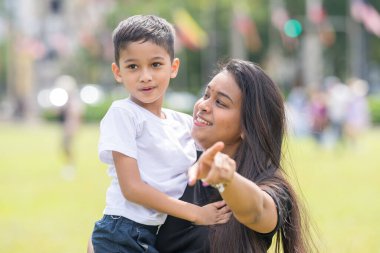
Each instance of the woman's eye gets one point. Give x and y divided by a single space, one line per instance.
205 96
220 103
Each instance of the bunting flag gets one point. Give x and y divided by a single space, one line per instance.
316 13
367 15
189 32
327 34
279 17
319 17
247 28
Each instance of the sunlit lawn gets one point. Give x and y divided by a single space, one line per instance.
40 211
342 189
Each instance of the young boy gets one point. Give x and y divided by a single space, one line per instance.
148 148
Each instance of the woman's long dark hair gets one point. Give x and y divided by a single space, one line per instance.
259 159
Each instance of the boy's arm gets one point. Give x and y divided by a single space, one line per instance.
135 190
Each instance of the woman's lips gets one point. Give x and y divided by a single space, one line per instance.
198 121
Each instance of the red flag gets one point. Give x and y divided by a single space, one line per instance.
247 28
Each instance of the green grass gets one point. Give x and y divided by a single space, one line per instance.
40 211
341 187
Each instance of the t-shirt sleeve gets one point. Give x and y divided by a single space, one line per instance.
118 131
283 203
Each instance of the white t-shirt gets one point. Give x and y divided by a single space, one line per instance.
163 148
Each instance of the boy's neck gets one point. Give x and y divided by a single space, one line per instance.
155 107
159 113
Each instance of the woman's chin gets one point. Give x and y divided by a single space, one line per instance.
202 138
203 144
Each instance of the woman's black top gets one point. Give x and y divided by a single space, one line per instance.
178 235
181 236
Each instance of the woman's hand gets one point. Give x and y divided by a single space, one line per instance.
214 213
213 167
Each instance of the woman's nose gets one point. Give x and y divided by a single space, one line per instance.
204 105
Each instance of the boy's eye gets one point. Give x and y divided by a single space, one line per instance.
132 66
205 96
156 64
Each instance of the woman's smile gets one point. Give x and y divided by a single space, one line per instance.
198 121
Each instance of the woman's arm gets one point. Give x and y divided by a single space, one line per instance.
251 206
135 190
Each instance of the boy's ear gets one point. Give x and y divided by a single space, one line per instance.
116 72
175 67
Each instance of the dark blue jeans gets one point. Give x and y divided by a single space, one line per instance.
116 234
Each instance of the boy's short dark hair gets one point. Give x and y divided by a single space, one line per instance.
143 28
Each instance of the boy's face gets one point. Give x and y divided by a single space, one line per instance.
145 70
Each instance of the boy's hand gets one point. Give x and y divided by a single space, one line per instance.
214 213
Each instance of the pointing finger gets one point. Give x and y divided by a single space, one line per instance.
209 154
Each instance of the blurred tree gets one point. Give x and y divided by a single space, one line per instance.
242 28
3 52
3 69
232 28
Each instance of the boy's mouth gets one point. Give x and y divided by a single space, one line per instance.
147 88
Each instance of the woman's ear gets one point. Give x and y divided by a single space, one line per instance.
242 135
116 72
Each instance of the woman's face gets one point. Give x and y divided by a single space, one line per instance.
217 114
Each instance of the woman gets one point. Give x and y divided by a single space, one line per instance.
240 122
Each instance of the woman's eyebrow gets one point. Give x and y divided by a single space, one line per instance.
220 93
225 95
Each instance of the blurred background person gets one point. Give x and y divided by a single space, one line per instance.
318 114
70 114
338 99
297 111
358 116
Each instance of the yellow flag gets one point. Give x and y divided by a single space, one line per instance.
189 31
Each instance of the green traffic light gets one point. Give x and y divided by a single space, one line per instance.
292 28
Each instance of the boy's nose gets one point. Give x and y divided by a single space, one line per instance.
145 76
